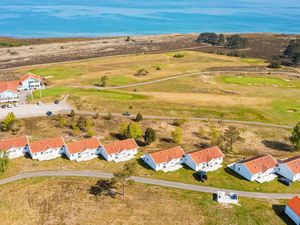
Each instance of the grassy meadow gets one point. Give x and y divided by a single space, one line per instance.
49 200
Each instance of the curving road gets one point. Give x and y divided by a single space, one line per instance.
163 183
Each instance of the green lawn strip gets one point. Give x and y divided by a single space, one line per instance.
60 72
258 81
252 60
59 91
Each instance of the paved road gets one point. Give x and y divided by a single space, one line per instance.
184 75
163 183
193 118
33 110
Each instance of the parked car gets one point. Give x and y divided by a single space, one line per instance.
9 106
126 113
39 103
202 175
49 113
56 102
3 106
285 181
16 105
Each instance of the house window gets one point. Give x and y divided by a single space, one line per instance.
239 169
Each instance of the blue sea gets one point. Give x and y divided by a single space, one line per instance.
88 18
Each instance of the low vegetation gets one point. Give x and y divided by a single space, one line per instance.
232 42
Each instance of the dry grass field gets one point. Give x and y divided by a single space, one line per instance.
65 201
256 97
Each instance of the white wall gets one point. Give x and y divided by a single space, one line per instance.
292 215
148 160
17 152
87 154
50 153
9 96
30 84
119 155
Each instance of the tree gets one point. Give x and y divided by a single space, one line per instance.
13 126
82 123
215 137
139 117
4 161
178 122
177 135
236 42
141 72
121 176
5 123
123 129
150 136
210 38
72 114
221 39
275 65
103 81
133 130
231 136
295 138
109 116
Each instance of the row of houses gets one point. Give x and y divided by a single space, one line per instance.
9 90
261 168
82 150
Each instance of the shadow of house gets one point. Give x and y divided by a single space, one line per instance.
102 188
167 140
277 145
117 136
202 145
279 211
234 174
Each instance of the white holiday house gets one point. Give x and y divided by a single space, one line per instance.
30 81
47 149
9 92
83 150
166 160
290 168
292 209
208 159
14 147
119 151
259 168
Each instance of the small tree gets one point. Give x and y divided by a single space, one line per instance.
123 129
150 136
121 176
10 118
178 122
109 116
215 137
295 138
90 132
231 136
13 126
4 161
177 135
133 130
96 116
141 72
103 81
82 123
139 117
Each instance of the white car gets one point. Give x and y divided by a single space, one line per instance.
9 106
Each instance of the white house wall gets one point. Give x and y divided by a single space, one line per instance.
9 96
16 152
50 153
114 156
30 84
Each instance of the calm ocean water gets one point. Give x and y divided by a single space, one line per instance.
64 18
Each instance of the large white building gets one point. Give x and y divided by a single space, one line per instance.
14 147
259 168
47 149
30 81
120 151
9 92
166 160
290 168
292 210
83 150
208 159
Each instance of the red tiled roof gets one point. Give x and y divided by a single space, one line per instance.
260 164
81 146
45 144
294 205
293 164
13 142
167 155
8 86
119 146
206 155
29 75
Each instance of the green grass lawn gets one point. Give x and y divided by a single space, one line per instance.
60 72
259 81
